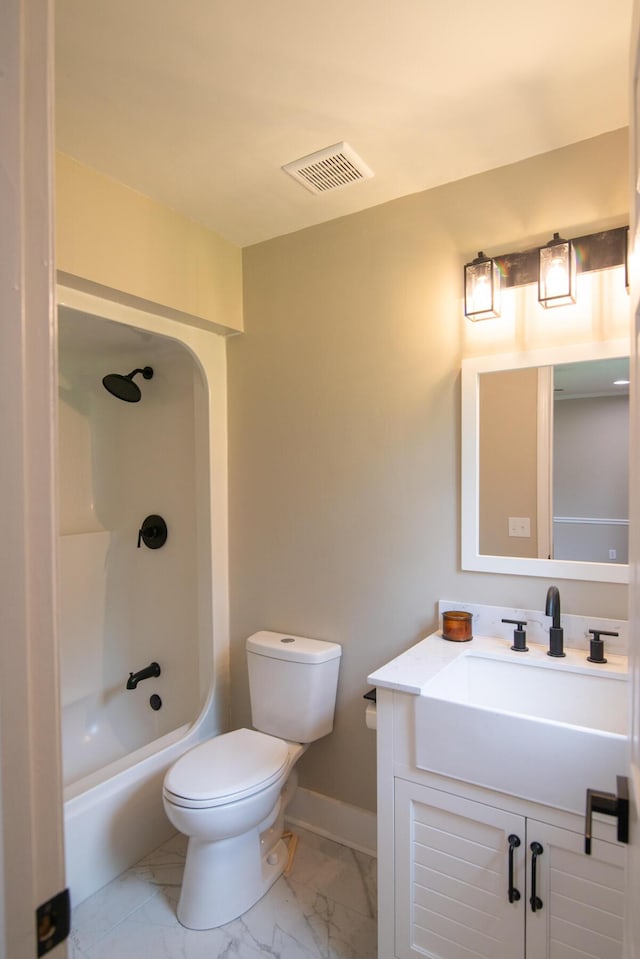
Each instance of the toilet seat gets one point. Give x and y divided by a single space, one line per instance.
226 769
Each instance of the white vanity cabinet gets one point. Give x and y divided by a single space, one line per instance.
452 876
443 864
582 896
454 883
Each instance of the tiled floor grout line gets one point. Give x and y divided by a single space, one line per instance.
109 930
371 904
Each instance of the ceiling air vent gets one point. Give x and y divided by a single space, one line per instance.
328 169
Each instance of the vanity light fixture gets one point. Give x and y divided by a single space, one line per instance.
482 288
557 272
553 267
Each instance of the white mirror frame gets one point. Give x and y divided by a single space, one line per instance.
472 559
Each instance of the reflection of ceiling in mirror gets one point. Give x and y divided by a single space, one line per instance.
591 378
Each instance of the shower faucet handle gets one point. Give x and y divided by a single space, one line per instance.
153 532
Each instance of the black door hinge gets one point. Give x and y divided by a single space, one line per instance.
53 922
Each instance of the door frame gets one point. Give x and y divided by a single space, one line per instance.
632 919
544 459
31 829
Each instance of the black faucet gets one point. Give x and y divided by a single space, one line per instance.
134 678
556 632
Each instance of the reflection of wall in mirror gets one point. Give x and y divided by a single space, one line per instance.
590 479
507 460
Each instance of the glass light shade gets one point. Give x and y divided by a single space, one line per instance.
481 288
557 273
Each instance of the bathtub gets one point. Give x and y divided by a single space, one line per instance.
114 817
116 750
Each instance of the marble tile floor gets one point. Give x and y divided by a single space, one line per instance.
325 909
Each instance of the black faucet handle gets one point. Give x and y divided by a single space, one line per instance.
519 635
597 646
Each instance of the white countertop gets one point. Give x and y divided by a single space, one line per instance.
410 671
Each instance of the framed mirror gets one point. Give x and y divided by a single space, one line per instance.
545 462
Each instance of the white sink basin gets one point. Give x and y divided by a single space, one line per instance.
542 732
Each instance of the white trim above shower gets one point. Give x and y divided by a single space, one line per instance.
102 835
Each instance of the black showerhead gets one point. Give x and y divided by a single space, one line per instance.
123 386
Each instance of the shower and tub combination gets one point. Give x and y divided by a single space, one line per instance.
142 570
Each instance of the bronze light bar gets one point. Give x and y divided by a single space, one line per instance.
597 251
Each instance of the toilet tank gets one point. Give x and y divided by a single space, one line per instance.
292 683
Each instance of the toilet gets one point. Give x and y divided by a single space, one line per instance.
228 794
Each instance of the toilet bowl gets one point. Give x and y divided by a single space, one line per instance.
228 795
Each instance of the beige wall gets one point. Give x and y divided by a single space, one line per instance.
111 237
344 426
508 460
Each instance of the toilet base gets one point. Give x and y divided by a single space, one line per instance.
223 879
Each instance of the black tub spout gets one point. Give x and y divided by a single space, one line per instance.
152 669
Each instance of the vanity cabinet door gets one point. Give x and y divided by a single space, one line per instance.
452 877
582 896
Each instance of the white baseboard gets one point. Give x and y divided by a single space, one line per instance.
340 821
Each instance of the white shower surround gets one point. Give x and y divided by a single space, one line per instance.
114 815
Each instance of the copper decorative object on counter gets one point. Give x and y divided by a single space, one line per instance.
456 626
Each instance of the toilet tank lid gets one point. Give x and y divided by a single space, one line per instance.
296 649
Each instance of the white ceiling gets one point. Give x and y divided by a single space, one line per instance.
591 378
198 103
